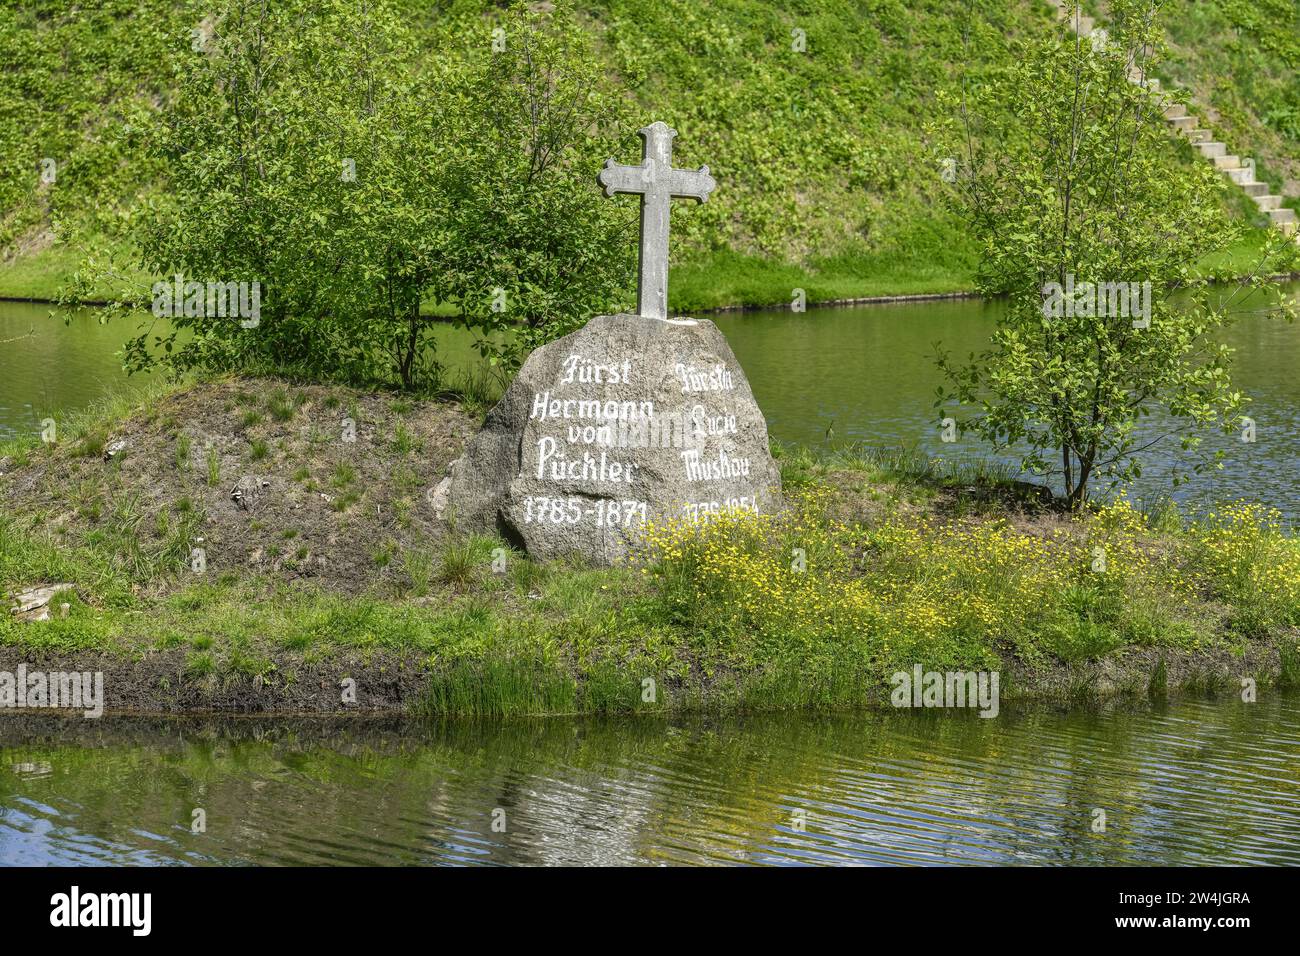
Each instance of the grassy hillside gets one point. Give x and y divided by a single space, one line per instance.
810 115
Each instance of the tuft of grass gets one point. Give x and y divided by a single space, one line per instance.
419 569
509 687
92 443
1164 517
527 575
344 474
404 441
1289 654
1158 684
345 499
464 561
281 405
402 508
407 479
382 555
200 664
478 388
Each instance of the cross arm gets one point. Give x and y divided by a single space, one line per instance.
649 178
620 179
689 183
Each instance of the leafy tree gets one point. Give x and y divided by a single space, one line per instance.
538 249
310 148
1069 180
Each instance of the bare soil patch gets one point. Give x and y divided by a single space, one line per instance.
310 483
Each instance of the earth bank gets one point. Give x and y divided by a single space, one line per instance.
328 584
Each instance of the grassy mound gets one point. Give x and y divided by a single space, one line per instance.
878 564
300 483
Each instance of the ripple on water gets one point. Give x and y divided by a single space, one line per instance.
1198 783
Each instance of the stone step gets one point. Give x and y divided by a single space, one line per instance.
1188 125
1150 82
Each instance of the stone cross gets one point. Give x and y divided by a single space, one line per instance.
658 183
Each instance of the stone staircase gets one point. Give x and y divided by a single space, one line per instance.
1185 124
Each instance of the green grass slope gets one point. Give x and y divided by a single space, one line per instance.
811 116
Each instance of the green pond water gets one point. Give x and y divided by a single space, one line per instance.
867 374
1195 782
860 374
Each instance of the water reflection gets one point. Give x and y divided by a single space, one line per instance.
1198 782
868 374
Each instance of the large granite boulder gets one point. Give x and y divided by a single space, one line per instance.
627 420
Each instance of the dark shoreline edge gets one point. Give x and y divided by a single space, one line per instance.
820 304
922 297
832 303
723 309
400 685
